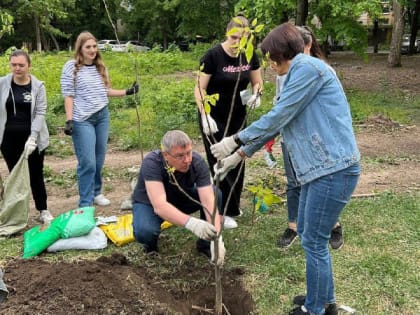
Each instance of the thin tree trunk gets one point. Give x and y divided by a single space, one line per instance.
394 57
38 34
375 38
57 46
301 12
414 27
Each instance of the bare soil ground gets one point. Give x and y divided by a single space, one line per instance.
113 285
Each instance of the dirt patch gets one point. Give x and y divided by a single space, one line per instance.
114 285
111 285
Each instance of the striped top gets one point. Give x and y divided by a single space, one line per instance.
89 91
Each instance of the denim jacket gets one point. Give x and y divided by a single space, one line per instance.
314 118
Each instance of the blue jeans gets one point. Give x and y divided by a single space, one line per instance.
320 204
146 223
90 139
292 187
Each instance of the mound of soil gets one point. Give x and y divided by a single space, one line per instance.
111 285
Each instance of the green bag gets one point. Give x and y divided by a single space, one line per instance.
77 222
73 223
37 239
14 208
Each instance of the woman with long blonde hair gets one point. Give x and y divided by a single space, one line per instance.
86 86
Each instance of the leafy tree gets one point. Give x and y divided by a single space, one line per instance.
153 21
205 18
40 14
90 15
271 12
338 20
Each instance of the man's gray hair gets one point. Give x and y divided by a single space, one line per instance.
175 138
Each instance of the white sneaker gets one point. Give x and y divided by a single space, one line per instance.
269 159
45 217
100 200
229 223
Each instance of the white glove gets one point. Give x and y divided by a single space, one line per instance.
223 148
254 101
228 164
209 125
221 251
30 146
201 228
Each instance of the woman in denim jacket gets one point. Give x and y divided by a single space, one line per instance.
314 119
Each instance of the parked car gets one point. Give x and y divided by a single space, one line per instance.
107 44
119 47
405 45
130 45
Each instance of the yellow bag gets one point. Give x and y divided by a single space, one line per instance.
121 232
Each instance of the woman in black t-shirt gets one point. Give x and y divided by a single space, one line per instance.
23 130
221 67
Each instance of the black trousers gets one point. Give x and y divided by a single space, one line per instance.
12 148
228 183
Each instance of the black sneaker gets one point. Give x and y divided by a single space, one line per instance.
336 239
203 247
298 311
331 309
299 300
287 239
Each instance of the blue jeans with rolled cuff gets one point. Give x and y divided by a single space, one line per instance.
320 204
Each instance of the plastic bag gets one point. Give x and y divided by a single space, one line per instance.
77 222
120 232
96 239
14 208
37 239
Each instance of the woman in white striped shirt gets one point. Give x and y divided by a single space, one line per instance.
86 87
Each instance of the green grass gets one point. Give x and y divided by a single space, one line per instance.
167 102
400 107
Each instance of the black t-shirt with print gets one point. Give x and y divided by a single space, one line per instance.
224 75
18 107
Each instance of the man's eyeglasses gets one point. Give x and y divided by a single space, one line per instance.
181 156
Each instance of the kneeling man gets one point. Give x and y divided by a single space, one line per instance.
173 183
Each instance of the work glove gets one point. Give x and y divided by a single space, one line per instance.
30 146
227 164
133 89
221 251
68 129
223 148
201 228
254 101
209 125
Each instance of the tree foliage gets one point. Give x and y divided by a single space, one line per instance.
57 23
6 23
